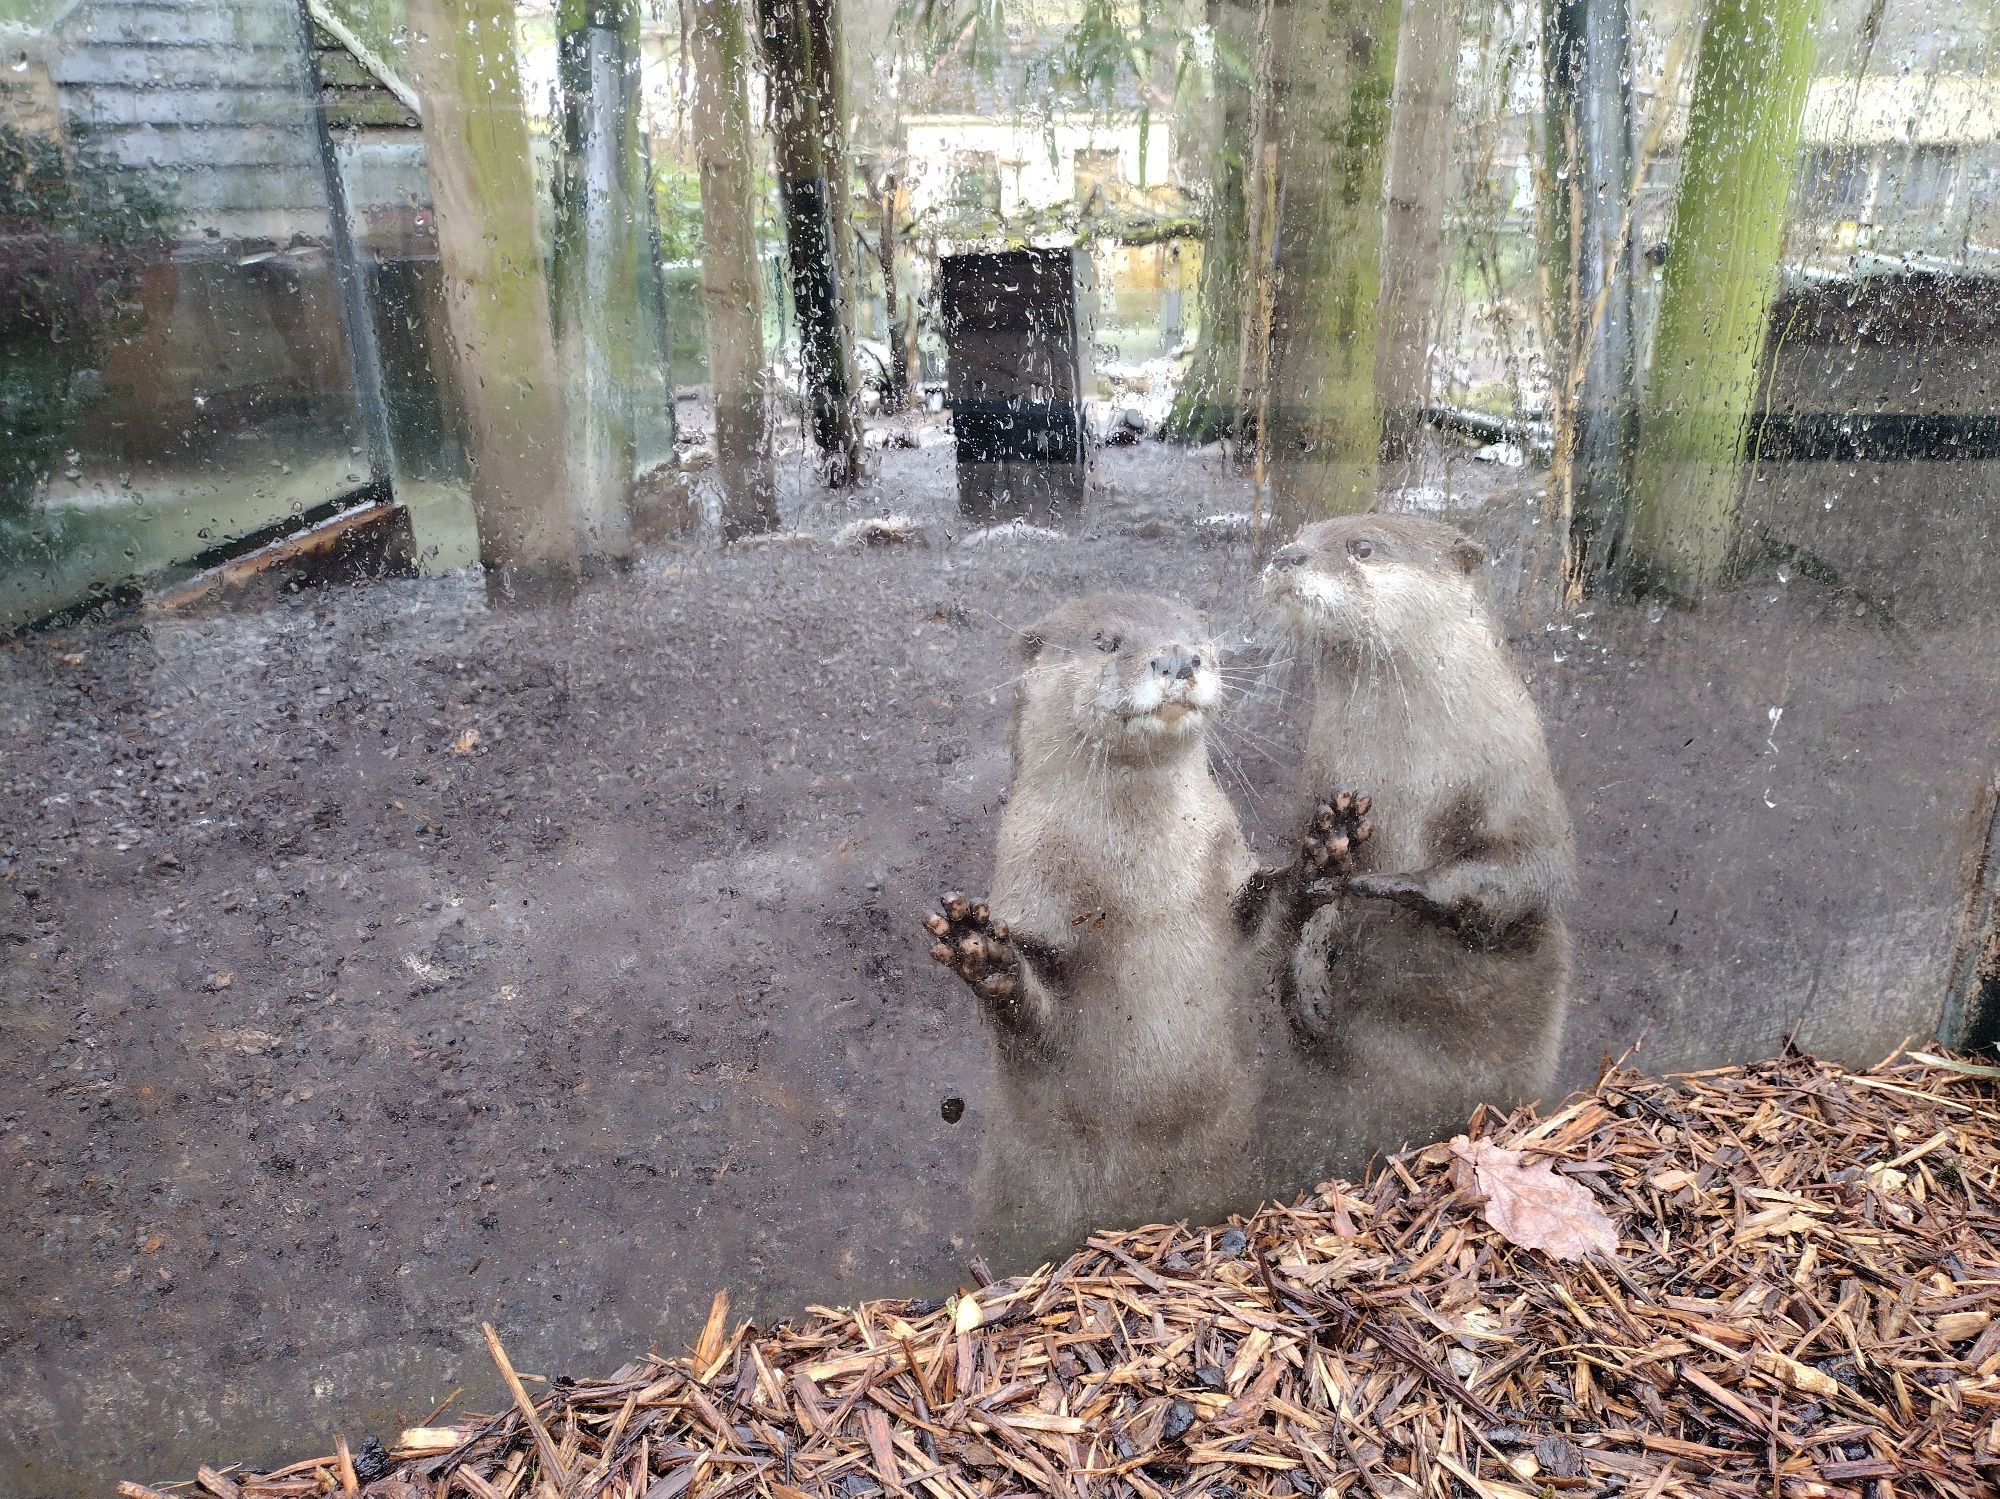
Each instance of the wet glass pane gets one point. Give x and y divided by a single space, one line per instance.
823 650
178 374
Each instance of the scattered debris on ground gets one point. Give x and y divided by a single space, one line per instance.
882 530
1801 1302
1003 532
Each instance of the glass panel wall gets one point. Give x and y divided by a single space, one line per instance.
816 649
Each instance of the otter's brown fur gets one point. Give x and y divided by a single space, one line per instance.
1111 966
1438 975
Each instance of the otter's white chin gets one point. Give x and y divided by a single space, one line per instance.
1284 596
1309 602
1179 719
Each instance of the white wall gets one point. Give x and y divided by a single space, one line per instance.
1028 178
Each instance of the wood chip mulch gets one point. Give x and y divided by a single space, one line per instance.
1803 1303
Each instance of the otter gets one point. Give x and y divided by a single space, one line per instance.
1109 956
1434 973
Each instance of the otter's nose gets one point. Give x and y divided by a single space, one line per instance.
1287 558
1177 662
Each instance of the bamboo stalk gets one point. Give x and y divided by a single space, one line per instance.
731 285
1721 278
1253 357
1333 76
1422 133
496 296
601 209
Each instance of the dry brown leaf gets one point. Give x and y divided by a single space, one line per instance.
466 742
1529 1204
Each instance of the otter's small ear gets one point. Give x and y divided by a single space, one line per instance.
1468 554
1029 644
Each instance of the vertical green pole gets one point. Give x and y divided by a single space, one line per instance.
1205 405
829 52
1422 135
731 287
496 297
1588 138
1721 277
801 141
1333 74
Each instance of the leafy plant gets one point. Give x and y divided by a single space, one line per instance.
977 29
1108 43
677 201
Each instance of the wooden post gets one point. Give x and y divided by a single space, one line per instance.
731 288
1421 137
1205 405
785 33
1721 277
1589 251
483 192
1333 73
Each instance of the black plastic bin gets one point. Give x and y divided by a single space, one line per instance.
1015 345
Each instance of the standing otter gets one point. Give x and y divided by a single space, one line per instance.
1437 976
1108 958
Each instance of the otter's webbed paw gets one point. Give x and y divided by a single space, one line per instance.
977 948
1325 857
1326 854
1338 827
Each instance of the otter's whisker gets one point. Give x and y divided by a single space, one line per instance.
1236 774
1266 745
1002 686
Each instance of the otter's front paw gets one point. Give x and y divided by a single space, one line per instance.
975 947
1338 827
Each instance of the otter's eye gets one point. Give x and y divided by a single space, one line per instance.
1108 643
1361 550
